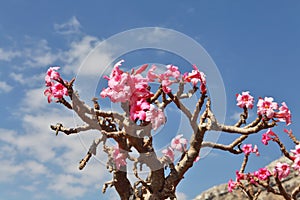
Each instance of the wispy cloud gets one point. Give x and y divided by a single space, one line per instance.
5 87
72 26
8 55
38 53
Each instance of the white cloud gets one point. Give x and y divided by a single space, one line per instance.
70 27
9 170
34 100
50 163
39 53
28 80
5 87
8 55
77 53
155 36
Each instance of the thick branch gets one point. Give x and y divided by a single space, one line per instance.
295 192
243 118
244 131
59 127
281 189
229 147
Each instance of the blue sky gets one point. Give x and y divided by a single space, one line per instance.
255 45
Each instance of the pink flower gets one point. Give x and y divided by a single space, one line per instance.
266 107
282 170
141 69
119 158
151 75
247 149
194 77
172 71
231 185
155 116
255 150
138 109
49 94
296 164
52 74
169 153
179 143
252 180
244 100
165 83
262 174
266 136
123 86
296 151
284 114
59 90
120 86
56 90
239 176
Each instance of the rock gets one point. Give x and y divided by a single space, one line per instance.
220 192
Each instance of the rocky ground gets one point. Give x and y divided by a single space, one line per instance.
220 192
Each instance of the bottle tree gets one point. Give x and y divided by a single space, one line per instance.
143 111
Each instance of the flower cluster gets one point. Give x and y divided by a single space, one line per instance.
134 89
170 76
270 135
280 170
247 149
194 77
54 83
296 152
179 143
268 108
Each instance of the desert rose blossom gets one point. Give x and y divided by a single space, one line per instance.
282 170
151 76
172 71
262 174
120 86
247 149
245 100
266 107
255 150
155 116
296 151
56 90
179 143
239 176
266 136
138 109
194 77
284 114
119 158
166 79
169 153
231 185
296 164
51 75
